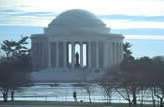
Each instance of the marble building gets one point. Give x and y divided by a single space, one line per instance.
76 40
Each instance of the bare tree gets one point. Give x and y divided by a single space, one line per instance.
107 81
107 89
12 79
88 87
158 68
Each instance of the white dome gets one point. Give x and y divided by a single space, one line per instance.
77 17
77 20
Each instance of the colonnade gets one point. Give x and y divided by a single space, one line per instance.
98 54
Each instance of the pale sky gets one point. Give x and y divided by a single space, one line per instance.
137 20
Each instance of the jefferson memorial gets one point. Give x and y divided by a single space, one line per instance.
76 42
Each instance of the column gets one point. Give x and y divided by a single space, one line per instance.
49 55
97 54
57 55
81 55
122 55
73 55
113 51
65 54
110 54
115 48
119 46
46 54
105 54
117 53
40 55
89 54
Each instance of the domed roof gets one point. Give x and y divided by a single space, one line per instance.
77 17
77 20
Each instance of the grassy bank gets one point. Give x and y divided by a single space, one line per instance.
68 103
49 102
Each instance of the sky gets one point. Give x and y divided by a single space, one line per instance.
140 21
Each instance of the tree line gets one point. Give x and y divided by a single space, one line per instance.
15 66
135 77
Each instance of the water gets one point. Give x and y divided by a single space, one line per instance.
63 92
